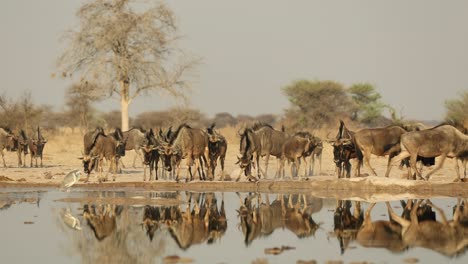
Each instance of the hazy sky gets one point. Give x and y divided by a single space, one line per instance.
414 52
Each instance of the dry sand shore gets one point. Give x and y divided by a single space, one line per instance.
61 156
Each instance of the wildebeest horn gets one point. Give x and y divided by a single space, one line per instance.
238 160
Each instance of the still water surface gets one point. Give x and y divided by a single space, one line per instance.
224 228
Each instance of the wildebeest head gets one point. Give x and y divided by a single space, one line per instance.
341 149
120 142
38 143
169 154
23 142
89 163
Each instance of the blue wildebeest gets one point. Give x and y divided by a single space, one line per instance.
343 151
110 147
271 142
6 141
298 146
36 147
150 146
134 140
217 146
191 144
378 141
22 150
443 140
250 151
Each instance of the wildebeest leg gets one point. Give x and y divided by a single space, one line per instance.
389 164
259 170
267 158
438 166
122 164
441 212
144 173
367 216
311 165
137 155
155 164
291 168
393 216
41 160
221 160
3 158
306 165
366 156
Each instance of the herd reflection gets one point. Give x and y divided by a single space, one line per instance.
260 218
201 219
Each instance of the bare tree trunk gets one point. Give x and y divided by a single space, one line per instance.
124 103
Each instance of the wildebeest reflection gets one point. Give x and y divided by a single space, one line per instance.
203 221
377 234
447 237
264 217
346 224
102 219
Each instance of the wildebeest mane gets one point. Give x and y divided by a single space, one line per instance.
259 125
174 136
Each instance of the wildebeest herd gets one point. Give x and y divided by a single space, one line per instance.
22 145
164 153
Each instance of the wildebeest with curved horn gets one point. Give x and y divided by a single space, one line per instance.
36 147
250 150
192 145
443 140
217 146
343 151
150 147
99 146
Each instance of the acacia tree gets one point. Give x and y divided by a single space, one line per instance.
126 52
457 110
316 103
368 106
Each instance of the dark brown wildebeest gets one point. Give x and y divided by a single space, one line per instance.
150 147
250 150
343 151
6 139
217 146
191 144
443 140
378 141
36 147
447 237
22 149
346 224
296 147
103 221
133 141
271 142
110 147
